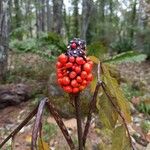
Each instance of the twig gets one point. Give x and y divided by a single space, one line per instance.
99 72
79 123
119 112
92 106
36 126
60 123
24 122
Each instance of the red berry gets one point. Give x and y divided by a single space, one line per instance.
65 80
63 58
73 67
87 58
67 89
84 82
75 90
59 64
73 45
80 60
83 74
79 80
91 63
74 83
87 67
59 71
59 75
60 81
90 77
71 59
72 74
69 65
82 87
77 69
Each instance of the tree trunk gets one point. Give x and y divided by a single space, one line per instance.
102 18
49 16
66 22
87 8
57 15
111 10
3 38
133 20
18 18
43 15
75 18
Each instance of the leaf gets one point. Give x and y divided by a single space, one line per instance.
130 56
94 59
42 145
93 85
116 93
107 113
120 140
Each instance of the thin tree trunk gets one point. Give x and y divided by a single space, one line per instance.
57 15
3 38
18 18
37 18
43 15
133 20
67 22
87 7
49 16
102 9
75 18
111 10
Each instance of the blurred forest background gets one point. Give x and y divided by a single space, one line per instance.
117 26
34 32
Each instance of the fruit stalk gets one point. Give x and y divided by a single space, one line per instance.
79 123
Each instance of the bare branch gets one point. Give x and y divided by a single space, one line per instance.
60 123
37 124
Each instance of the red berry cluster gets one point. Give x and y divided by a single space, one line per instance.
73 71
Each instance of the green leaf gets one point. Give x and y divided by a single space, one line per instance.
42 145
107 113
116 93
130 56
120 140
94 59
93 85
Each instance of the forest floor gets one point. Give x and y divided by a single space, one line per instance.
135 79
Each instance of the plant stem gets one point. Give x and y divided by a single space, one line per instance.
78 117
60 123
92 107
36 126
24 122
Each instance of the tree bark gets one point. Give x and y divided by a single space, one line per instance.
75 18
18 18
57 15
43 15
49 16
66 22
87 8
3 38
133 20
